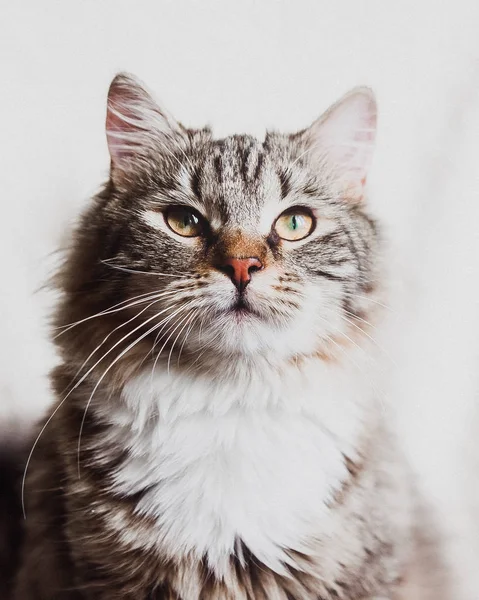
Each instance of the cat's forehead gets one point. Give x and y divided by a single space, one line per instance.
237 176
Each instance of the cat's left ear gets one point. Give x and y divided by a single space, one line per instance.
343 139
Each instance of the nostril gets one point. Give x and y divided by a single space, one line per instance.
227 270
255 267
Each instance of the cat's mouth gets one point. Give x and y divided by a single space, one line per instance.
240 305
241 309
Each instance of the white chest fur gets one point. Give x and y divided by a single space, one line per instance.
257 459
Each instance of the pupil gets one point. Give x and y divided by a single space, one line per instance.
294 222
189 220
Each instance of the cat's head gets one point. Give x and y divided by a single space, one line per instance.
229 247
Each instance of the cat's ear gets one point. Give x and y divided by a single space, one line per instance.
136 126
343 140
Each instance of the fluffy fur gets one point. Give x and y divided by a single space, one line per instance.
209 443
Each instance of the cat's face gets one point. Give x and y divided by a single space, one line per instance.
243 246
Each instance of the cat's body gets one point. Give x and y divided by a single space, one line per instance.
218 433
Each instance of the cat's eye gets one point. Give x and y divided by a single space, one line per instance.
294 224
184 221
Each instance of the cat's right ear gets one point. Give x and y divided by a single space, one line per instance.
136 127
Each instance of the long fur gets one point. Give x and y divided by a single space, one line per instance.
209 442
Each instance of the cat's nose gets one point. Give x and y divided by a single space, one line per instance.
239 270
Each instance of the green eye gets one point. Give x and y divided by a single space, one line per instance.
294 225
184 221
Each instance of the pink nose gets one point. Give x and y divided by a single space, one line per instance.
239 270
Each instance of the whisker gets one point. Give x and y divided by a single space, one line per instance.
202 323
359 318
150 296
163 323
184 307
375 342
192 322
355 295
107 309
78 383
338 331
349 357
204 349
128 270
127 349
187 319
110 334
31 453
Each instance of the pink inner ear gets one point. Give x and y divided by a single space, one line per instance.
135 124
136 127
122 122
346 137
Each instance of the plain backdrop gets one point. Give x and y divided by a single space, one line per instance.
246 66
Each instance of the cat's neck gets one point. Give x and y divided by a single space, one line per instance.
310 384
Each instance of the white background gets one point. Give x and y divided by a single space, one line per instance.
244 66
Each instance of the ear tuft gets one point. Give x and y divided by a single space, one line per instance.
135 124
343 139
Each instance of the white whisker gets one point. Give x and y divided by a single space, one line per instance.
110 334
156 273
205 348
78 383
341 333
355 295
188 331
166 321
359 319
184 307
107 309
127 349
163 323
150 296
375 342
187 319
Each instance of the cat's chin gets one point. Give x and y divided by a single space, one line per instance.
240 332
241 315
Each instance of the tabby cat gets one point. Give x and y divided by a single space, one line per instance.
218 434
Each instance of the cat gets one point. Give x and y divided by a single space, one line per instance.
218 432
